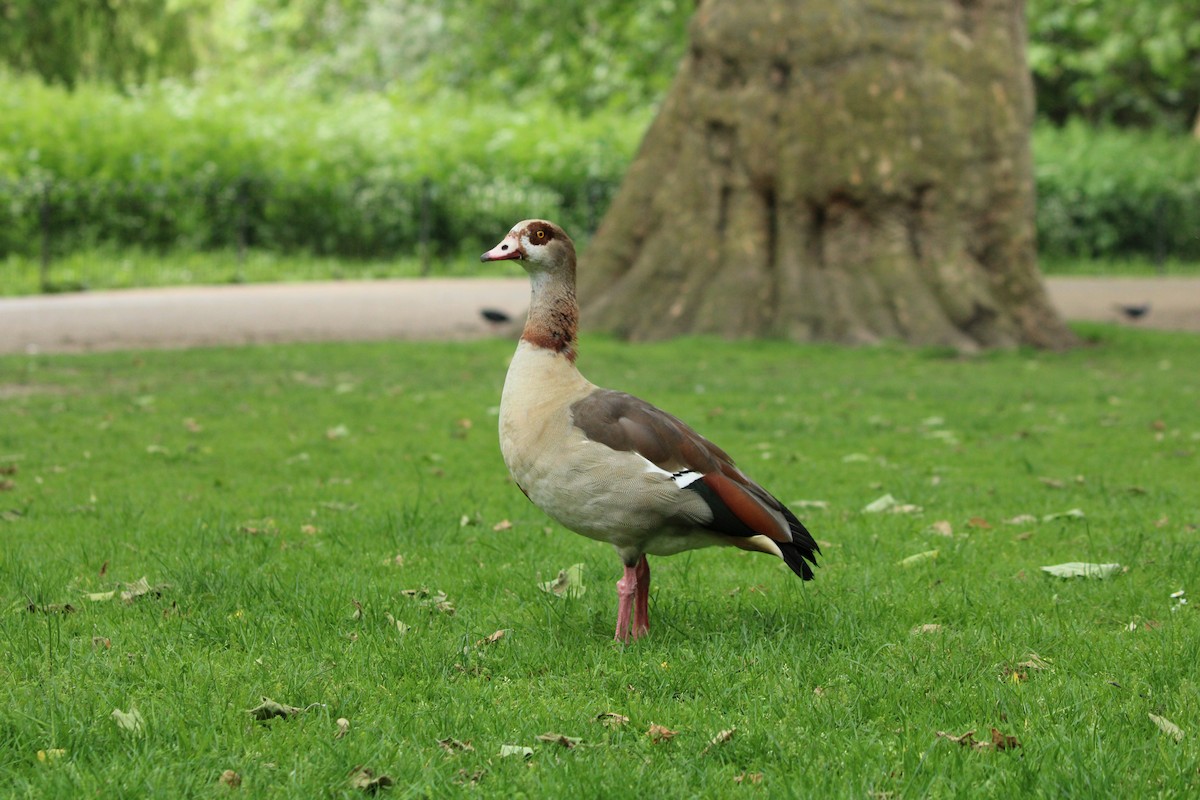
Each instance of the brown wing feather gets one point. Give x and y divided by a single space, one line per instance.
624 422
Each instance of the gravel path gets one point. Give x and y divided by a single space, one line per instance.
413 309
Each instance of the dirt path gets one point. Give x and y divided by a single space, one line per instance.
414 309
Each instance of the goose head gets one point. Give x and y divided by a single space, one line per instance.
539 245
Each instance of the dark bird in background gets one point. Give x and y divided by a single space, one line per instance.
495 315
1133 311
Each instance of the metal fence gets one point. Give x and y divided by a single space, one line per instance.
354 219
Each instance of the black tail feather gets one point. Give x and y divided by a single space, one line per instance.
801 550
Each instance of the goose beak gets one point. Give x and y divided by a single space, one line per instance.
506 250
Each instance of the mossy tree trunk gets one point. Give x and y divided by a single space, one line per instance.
850 171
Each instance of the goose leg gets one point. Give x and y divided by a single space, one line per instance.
641 606
626 589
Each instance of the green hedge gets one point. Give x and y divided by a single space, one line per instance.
1117 193
375 176
369 176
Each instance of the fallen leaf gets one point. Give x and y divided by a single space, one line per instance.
1002 741
965 739
1166 726
493 638
101 641
269 709
1020 519
51 608
809 504
999 740
612 719
569 582
942 528
1080 569
928 627
660 733
364 779
465 778
721 738
559 739
130 721
979 522
337 432
455 746
51 755
400 626
753 777
343 727
509 750
879 504
1073 513
1053 483
502 525
918 558
230 778
1034 661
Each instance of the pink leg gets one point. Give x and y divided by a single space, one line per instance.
626 588
641 607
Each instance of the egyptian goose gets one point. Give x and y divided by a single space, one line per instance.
610 466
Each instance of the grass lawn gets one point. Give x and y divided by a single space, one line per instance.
281 501
104 268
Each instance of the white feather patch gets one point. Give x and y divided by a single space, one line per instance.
683 479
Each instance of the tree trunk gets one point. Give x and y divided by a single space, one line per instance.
849 171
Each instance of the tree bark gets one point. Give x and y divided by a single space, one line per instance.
849 171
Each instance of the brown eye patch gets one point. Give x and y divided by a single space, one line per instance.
540 233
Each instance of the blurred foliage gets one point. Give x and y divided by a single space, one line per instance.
375 175
370 175
1124 62
1109 192
119 42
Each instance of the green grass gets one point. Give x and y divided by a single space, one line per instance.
271 490
108 268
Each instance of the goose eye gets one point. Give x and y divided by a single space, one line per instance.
540 234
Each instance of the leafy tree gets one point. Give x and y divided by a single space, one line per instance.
1129 62
121 42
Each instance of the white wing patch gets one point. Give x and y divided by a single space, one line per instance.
683 478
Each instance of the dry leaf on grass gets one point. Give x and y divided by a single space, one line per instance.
569 582
1020 519
343 727
269 709
451 745
942 528
130 721
1000 741
510 750
559 739
979 522
612 719
1080 569
1073 513
660 733
913 560
889 504
364 779
50 608
502 525
230 778
928 627
754 778
1166 726
493 638
721 738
